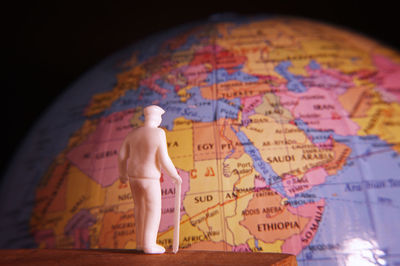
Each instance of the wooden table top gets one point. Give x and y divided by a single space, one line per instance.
97 257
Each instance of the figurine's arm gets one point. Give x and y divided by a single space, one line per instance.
122 159
165 160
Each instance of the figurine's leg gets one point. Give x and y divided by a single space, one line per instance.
152 217
139 210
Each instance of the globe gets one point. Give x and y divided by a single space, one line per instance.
285 131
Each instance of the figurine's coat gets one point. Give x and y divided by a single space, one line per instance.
142 155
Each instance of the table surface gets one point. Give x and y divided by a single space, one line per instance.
97 257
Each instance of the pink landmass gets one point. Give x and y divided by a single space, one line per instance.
327 145
329 79
187 76
249 103
293 185
97 156
320 109
195 75
81 238
209 49
388 78
78 227
297 242
214 56
46 236
259 183
168 198
241 248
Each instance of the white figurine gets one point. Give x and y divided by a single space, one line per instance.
143 153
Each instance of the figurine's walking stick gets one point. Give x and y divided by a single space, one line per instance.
177 218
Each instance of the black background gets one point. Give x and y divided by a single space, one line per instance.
46 45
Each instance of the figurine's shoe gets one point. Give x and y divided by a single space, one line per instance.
156 249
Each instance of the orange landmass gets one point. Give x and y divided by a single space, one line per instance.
229 140
357 101
269 220
213 140
219 59
51 194
117 229
234 88
341 152
88 127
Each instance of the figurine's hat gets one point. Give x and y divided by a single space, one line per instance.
153 110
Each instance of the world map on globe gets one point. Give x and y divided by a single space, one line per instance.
285 131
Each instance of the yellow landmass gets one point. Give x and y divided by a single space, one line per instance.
271 107
180 144
130 245
285 147
204 187
270 42
135 120
50 195
383 120
249 41
94 230
48 221
238 183
188 236
333 53
358 100
61 195
202 201
182 58
183 93
83 193
119 196
118 228
211 245
238 174
210 223
275 247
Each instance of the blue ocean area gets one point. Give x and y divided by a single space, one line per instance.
190 41
227 108
314 65
294 82
196 108
368 150
315 135
140 97
259 164
221 75
364 189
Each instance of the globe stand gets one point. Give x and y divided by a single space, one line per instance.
131 257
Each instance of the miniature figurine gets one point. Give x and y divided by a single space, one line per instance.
143 153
